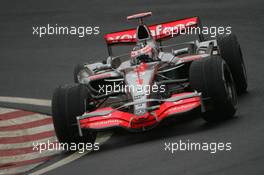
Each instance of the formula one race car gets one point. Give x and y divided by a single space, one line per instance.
152 84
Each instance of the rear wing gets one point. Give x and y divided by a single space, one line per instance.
159 32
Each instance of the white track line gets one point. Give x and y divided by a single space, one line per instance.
18 170
22 120
26 144
101 138
29 131
29 156
6 110
28 101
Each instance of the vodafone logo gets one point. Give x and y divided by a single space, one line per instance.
123 38
157 31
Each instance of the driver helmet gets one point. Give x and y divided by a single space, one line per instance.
142 53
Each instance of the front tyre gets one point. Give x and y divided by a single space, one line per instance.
68 102
212 77
231 52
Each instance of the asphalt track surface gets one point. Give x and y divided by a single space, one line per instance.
33 67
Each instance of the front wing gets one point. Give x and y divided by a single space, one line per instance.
108 117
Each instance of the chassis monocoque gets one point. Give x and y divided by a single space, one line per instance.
203 75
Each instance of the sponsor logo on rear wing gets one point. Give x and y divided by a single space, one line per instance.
158 31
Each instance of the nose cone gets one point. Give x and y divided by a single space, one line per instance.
139 82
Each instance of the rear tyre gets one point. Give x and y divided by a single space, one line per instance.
212 77
230 51
68 102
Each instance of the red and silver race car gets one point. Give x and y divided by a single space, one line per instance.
152 82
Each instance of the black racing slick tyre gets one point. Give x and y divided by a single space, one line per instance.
212 77
230 51
68 102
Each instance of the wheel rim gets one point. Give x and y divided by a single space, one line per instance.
229 86
243 64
